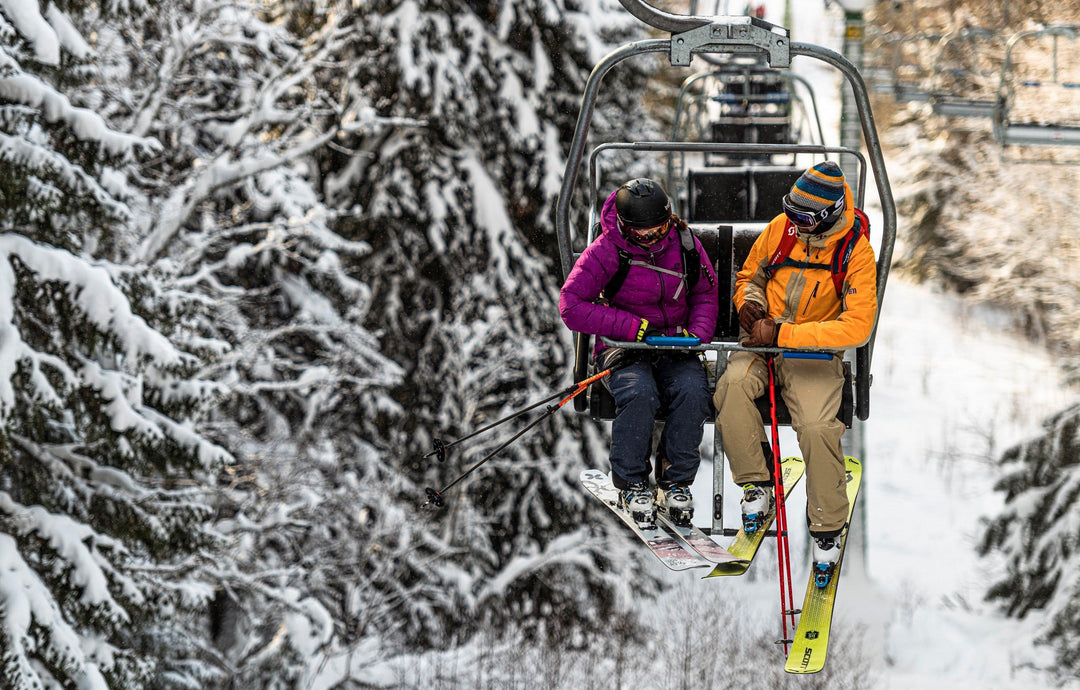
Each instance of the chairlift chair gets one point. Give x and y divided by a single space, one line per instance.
1039 89
725 36
912 68
966 71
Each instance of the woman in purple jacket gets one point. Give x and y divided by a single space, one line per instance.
654 299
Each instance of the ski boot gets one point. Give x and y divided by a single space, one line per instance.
637 499
678 503
826 554
756 503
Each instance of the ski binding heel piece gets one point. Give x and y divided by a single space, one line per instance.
644 519
822 574
751 522
682 518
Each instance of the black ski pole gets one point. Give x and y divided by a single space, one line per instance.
441 446
436 497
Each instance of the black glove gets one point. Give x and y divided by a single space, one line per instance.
751 311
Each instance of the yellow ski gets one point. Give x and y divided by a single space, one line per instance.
745 546
811 641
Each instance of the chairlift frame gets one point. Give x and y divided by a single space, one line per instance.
726 35
907 89
685 100
1008 132
948 102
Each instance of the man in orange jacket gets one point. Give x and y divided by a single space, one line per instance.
792 301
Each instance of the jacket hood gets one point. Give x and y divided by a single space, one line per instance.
609 225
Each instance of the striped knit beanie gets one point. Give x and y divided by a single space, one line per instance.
818 188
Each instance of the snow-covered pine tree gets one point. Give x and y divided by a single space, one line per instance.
457 181
239 225
1038 533
101 507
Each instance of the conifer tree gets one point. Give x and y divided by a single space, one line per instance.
101 502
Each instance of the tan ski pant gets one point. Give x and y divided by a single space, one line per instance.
812 389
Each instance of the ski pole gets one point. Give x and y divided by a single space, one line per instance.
783 555
436 497
441 446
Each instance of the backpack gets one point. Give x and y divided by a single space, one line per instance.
690 257
841 257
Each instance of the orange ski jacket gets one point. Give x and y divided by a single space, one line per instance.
802 299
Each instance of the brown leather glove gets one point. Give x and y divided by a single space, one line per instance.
763 334
751 311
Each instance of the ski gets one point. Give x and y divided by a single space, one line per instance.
665 544
698 541
811 641
745 546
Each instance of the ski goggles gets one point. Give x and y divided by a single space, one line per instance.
647 236
810 219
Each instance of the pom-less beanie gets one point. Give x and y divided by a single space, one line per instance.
819 187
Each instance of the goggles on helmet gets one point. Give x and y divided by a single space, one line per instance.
806 220
647 236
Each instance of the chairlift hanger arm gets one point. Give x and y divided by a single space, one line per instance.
659 19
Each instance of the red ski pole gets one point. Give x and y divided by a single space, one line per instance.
783 555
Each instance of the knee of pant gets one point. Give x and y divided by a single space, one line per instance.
692 397
741 386
832 429
640 399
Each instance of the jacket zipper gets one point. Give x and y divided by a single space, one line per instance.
652 260
813 294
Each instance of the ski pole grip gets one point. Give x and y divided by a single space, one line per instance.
807 355
675 340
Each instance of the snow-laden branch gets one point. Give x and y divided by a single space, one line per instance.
47 164
27 19
93 293
86 124
27 603
564 549
222 172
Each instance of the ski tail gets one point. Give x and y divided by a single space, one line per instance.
810 644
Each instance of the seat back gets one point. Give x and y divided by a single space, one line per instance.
738 194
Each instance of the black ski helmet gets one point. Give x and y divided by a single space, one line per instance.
642 203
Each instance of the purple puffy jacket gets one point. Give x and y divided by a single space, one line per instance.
658 297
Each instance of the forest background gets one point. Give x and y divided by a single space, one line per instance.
258 256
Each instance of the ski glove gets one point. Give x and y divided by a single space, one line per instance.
645 330
751 311
763 334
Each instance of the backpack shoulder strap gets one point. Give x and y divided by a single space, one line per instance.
691 258
780 257
617 278
842 255
690 255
